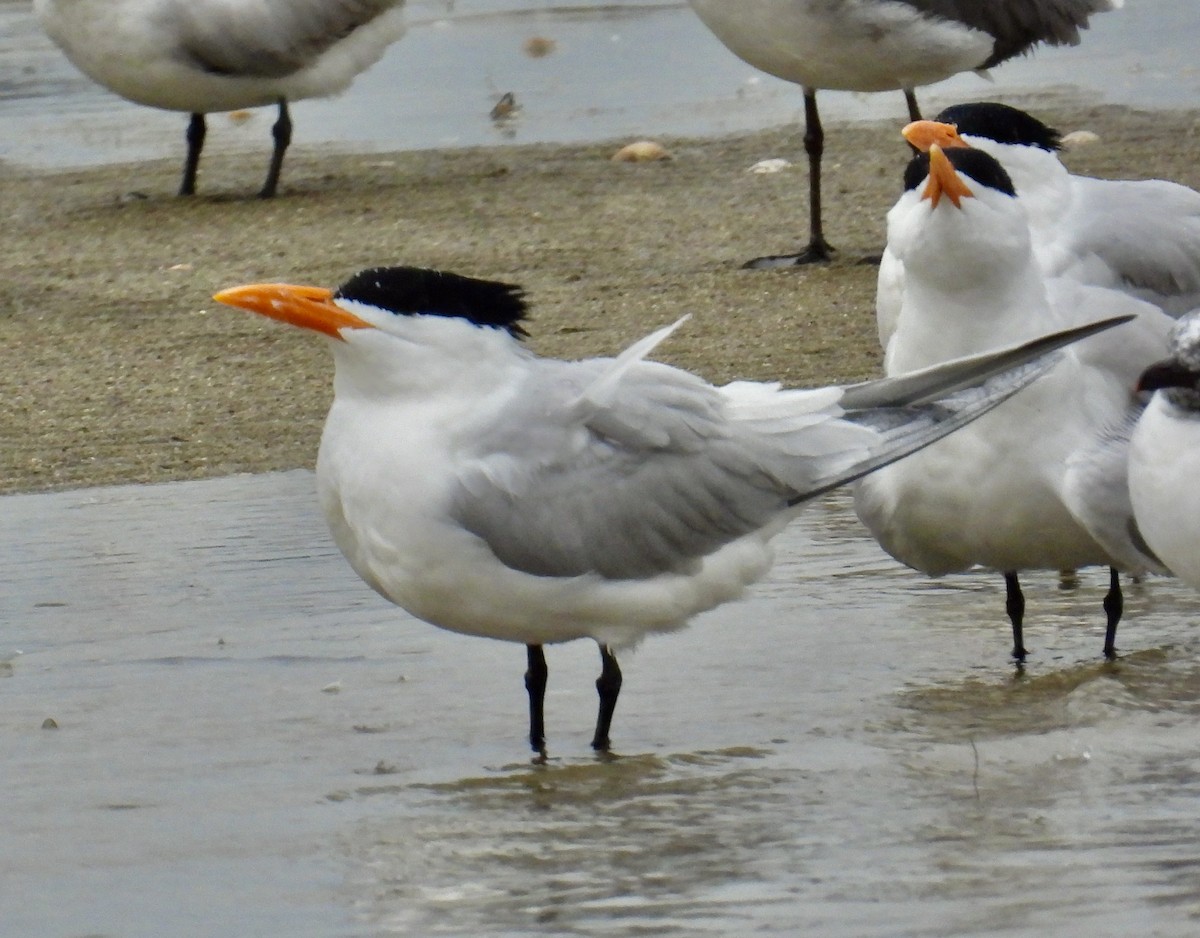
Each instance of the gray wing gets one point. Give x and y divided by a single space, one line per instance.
1096 491
938 381
1017 25
647 484
660 468
1146 231
269 39
912 411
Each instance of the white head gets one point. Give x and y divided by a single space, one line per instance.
395 330
959 222
1026 147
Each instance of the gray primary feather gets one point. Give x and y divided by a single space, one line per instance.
270 39
936 381
1017 25
662 469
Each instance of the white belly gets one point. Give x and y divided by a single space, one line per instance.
848 45
1164 469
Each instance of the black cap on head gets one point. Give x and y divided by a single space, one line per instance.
419 291
970 162
1001 123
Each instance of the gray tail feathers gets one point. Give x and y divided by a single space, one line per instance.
914 410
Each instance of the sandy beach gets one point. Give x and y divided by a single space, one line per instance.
118 367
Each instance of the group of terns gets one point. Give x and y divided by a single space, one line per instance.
1028 316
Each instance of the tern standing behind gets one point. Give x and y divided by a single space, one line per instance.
880 45
1137 235
496 493
201 56
1018 489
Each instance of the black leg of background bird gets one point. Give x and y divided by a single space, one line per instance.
196 131
1114 605
818 249
910 98
608 685
535 683
1014 605
281 133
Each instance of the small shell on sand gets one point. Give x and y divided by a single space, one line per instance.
240 117
1079 138
537 47
776 165
641 151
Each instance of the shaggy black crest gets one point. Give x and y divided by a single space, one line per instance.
974 163
1001 123
413 291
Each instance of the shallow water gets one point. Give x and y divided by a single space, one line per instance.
618 69
251 742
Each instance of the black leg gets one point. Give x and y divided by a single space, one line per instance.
1114 605
281 133
914 112
818 249
535 683
196 132
1014 605
608 685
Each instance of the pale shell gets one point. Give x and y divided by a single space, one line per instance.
641 151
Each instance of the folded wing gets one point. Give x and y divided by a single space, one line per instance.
649 473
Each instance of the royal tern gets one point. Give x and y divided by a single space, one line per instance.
496 493
1137 235
201 56
1018 489
1164 455
880 45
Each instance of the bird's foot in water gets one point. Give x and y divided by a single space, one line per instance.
815 253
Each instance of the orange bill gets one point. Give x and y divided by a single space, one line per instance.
306 307
944 180
925 134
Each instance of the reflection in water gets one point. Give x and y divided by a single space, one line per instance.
616 845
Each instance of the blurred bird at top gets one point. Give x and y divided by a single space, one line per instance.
880 45
201 56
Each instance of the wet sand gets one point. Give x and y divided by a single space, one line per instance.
118 367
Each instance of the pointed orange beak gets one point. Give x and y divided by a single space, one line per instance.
306 307
924 134
944 180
